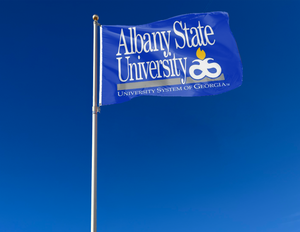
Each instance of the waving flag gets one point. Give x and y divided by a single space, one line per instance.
187 55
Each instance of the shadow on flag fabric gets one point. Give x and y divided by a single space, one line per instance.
187 55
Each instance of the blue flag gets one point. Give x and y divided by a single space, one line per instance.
187 55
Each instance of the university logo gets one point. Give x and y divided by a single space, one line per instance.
174 57
204 67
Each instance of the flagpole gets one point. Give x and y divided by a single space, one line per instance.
95 110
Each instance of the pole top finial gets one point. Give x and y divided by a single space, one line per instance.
95 17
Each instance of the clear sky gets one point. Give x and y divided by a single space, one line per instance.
224 163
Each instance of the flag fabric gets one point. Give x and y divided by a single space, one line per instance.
187 55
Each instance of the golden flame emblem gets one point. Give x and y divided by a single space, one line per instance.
201 54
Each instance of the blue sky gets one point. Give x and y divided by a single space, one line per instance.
220 163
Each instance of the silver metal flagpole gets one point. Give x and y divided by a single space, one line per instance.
94 129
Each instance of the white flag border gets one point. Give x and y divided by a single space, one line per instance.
100 68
